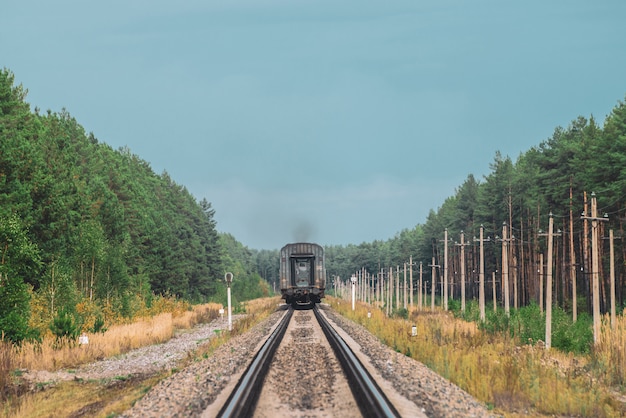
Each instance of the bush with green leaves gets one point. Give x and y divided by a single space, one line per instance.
65 327
528 325
401 313
98 325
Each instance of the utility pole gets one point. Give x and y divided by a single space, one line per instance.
462 245
420 298
405 289
595 264
493 281
612 239
432 285
411 280
381 283
572 255
361 285
550 235
397 287
612 257
353 280
505 271
541 282
445 270
549 286
389 291
481 275
585 240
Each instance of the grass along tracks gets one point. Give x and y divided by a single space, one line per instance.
515 379
74 388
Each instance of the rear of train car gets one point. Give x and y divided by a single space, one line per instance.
302 273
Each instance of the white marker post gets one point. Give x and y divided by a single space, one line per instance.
353 280
229 278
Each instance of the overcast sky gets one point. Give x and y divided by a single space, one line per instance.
338 122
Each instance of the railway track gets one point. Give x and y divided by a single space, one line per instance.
369 397
243 399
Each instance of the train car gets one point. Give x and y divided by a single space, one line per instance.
302 273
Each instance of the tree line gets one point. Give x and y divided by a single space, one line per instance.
83 223
513 204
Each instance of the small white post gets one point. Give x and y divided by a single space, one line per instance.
353 280
229 279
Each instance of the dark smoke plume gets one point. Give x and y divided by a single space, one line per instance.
303 231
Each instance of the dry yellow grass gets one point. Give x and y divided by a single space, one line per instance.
118 339
511 378
610 352
102 399
87 399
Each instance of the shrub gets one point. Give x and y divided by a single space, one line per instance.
98 325
455 305
496 322
401 313
569 336
65 327
529 324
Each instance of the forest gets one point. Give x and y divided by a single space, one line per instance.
561 178
88 232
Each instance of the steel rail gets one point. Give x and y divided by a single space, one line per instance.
370 398
243 399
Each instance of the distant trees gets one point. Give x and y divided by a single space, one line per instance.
558 177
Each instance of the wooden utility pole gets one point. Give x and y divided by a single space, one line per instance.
404 305
446 278
505 271
397 282
522 267
572 256
380 290
595 268
515 275
595 264
445 270
388 292
493 281
432 285
585 240
612 267
481 275
411 280
550 236
420 299
541 282
549 285
462 245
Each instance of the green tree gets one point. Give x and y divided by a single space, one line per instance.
19 258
